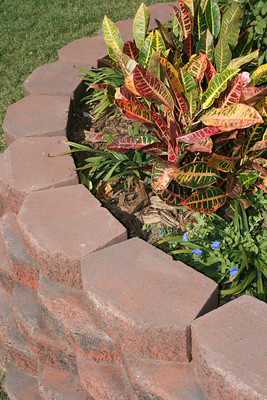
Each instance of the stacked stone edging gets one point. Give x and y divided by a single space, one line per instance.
86 313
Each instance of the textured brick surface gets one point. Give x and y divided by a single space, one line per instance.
61 225
163 380
146 300
6 274
58 78
37 116
5 315
49 346
18 351
32 164
24 268
230 350
67 309
21 385
56 384
104 381
162 12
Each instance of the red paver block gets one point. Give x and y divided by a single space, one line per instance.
24 269
50 347
62 225
230 350
57 384
67 307
32 164
104 381
6 274
161 12
145 300
84 52
20 385
163 380
37 115
58 78
18 351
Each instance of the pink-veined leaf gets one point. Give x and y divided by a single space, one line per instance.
131 50
210 71
197 67
162 125
135 111
261 145
184 18
195 175
127 143
188 45
206 200
222 163
232 94
173 195
150 87
198 135
95 137
236 116
161 175
224 137
203 146
251 95
233 186
172 156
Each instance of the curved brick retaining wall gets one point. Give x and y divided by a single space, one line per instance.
86 313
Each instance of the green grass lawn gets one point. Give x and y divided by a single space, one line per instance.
32 31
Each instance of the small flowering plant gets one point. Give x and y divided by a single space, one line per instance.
232 253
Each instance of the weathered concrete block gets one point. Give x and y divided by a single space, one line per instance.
6 274
20 385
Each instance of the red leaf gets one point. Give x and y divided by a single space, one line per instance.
196 136
233 94
135 111
184 17
210 71
98 86
131 50
188 45
162 125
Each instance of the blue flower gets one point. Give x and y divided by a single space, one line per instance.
233 271
185 237
197 252
160 232
215 245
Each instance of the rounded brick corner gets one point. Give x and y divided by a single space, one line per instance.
84 311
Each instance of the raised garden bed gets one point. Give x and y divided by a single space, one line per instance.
85 312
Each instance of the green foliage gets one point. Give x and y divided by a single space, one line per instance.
203 119
234 254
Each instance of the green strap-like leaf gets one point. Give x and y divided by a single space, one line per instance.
112 35
217 85
140 25
231 24
206 200
222 54
213 17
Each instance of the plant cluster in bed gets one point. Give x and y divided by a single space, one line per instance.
196 87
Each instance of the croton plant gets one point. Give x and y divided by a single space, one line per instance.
192 83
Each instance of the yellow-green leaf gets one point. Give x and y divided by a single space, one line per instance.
217 85
140 25
231 24
259 76
223 55
112 35
158 42
237 62
146 50
213 17
196 175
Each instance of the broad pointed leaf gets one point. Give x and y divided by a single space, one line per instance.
173 194
244 45
135 111
131 50
172 154
129 83
158 42
210 71
201 23
252 94
222 163
223 55
231 25
192 98
203 146
126 64
253 135
261 145
259 76
186 80
132 142
236 116
153 65
162 125
192 5
205 201
195 137
238 62
195 175
248 178
151 87
112 35
197 67
165 33
233 186
233 94
188 45
184 17
213 17
171 74
205 44
161 176
146 50
216 86
140 25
